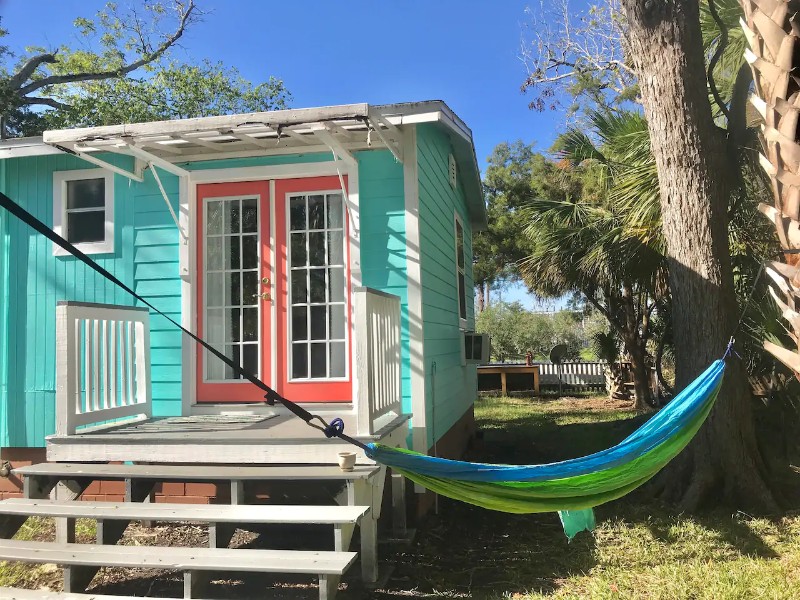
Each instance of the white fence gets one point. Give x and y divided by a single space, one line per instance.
581 375
377 330
102 364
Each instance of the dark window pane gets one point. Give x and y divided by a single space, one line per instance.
319 360
316 249
459 245
233 324
250 288
299 361
297 213
249 252
299 287
86 227
250 358
317 277
249 215
336 285
338 356
336 322
334 211
86 193
214 253
335 248
316 212
250 321
462 296
231 352
232 216
233 289
298 249
299 323
214 216
233 252
318 314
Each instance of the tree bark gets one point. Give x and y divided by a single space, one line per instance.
481 296
722 463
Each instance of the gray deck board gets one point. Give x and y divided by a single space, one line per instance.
217 513
184 559
197 472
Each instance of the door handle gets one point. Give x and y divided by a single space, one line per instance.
265 296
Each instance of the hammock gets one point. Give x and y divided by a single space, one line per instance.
571 487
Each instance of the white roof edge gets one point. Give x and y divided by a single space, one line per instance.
27 146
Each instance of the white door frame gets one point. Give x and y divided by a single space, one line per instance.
188 255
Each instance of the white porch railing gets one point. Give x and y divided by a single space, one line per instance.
377 330
102 364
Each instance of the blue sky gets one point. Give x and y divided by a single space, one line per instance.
465 52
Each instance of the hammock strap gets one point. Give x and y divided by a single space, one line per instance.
333 429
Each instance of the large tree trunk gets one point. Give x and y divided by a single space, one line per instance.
641 378
481 296
722 462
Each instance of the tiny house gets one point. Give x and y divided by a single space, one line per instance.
327 250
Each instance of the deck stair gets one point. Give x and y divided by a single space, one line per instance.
359 501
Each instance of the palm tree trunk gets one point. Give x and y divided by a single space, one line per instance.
665 44
770 30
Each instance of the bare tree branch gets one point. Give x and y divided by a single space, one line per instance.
147 57
27 69
51 102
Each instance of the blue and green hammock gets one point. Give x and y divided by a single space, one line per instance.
571 487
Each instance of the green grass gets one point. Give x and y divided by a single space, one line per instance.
641 549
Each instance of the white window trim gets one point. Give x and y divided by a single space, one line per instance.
347 299
462 322
60 179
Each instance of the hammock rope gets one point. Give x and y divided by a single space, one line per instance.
571 487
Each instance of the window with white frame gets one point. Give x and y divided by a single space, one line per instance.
317 287
460 271
83 210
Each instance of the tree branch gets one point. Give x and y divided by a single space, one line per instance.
51 102
26 70
121 71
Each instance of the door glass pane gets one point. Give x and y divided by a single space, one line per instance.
334 211
318 328
250 252
316 212
319 360
336 322
338 357
318 285
297 213
299 361
249 215
231 282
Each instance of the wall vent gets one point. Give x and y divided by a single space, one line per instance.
452 171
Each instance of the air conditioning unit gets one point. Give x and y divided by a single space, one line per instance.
476 348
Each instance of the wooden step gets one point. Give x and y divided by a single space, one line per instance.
328 566
206 513
197 472
18 594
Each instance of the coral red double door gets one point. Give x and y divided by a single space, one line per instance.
273 289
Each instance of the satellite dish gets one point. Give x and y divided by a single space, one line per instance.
558 353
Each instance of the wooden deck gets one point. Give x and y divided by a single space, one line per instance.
221 439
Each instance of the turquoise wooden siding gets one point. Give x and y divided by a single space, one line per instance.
147 255
451 388
382 211
146 251
4 248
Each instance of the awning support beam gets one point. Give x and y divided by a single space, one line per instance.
167 202
376 120
102 163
